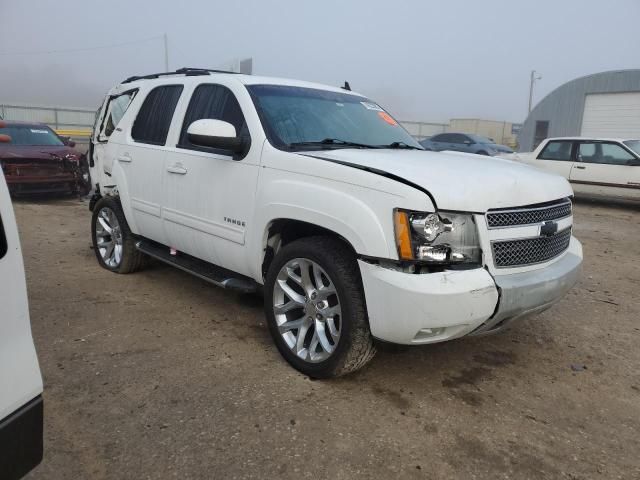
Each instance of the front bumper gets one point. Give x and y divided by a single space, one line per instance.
427 308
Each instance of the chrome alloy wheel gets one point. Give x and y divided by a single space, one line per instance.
109 237
307 310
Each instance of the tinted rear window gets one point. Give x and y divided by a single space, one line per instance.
154 118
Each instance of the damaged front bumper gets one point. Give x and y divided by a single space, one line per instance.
25 177
414 309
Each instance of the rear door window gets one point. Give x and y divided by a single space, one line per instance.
557 150
605 153
154 118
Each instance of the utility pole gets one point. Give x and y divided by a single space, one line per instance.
534 77
166 57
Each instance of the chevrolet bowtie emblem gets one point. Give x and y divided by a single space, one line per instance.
548 229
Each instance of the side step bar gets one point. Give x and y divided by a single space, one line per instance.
206 271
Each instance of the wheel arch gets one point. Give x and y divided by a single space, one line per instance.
282 231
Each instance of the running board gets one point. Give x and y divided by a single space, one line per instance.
206 271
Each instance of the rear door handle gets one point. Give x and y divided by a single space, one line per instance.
124 158
178 169
581 167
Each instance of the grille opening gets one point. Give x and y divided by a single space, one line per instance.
529 251
529 215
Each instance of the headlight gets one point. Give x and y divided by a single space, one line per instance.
440 238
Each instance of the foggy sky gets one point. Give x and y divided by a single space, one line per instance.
422 60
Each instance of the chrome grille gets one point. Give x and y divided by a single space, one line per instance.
528 215
528 251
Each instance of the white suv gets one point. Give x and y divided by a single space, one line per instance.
21 404
317 194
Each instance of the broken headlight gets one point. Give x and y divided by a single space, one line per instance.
438 238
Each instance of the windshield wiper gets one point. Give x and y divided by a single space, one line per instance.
330 142
400 146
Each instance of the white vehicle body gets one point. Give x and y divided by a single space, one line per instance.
223 211
605 167
21 406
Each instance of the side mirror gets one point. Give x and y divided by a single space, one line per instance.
71 143
215 134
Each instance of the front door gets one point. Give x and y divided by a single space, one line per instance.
605 168
556 157
209 193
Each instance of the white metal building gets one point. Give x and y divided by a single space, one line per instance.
604 104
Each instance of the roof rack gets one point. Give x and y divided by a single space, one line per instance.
187 71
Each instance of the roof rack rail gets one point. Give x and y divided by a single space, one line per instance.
187 71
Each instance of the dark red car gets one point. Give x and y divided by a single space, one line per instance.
37 160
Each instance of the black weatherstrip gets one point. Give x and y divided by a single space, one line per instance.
376 171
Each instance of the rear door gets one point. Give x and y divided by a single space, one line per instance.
102 153
556 157
606 168
140 160
20 380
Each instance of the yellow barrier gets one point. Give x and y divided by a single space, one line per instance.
74 133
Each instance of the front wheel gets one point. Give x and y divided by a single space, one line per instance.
315 308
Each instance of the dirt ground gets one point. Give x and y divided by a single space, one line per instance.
160 375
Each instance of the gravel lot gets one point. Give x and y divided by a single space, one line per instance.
160 375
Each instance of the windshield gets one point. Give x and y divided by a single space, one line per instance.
480 139
32 135
633 145
294 117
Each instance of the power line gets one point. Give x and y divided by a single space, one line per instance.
84 49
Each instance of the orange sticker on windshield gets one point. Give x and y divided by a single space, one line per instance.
387 118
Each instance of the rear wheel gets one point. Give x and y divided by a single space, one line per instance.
315 308
113 242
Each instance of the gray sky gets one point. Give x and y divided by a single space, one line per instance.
422 60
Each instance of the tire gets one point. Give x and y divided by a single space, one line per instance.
345 309
108 211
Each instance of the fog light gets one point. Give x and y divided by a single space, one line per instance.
428 333
439 253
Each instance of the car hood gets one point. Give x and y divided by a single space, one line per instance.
460 181
35 152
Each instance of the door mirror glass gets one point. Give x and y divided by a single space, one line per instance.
215 134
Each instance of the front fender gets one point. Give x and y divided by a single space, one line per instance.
367 226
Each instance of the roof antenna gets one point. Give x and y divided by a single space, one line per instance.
346 86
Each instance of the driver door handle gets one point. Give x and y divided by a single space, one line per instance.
581 167
124 158
178 169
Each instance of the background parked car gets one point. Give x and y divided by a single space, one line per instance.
463 142
37 160
608 167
